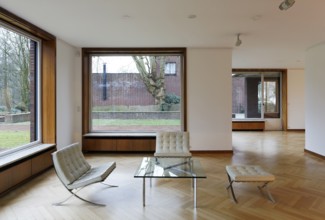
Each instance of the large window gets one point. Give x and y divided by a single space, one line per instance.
256 95
130 92
19 100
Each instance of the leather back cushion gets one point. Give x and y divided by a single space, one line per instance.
70 163
172 142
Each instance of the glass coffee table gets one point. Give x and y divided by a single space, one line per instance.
169 167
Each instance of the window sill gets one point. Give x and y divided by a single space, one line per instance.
248 120
22 154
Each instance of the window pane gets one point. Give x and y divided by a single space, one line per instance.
246 95
170 68
18 100
271 95
131 93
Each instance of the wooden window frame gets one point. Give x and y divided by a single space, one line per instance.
47 72
86 54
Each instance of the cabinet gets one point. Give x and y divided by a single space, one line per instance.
20 171
119 144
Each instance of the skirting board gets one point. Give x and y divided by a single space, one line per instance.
314 154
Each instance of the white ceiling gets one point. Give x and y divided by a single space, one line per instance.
271 38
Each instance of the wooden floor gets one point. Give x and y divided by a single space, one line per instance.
299 188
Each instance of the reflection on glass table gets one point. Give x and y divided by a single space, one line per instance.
156 167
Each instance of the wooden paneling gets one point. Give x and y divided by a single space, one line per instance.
48 91
144 145
95 144
41 162
21 172
15 175
284 101
5 180
119 144
135 145
248 125
124 145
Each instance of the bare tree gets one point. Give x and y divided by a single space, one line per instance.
4 73
21 58
152 73
15 55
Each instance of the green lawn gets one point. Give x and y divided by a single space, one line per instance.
9 139
142 122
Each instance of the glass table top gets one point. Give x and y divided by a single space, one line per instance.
152 167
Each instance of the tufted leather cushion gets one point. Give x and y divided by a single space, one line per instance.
248 173
172 144
70 163
93 175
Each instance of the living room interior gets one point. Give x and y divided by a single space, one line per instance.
206 33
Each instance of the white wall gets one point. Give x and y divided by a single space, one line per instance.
68 93
315 100
209 98
296 98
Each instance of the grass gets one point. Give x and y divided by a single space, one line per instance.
139 122
10 139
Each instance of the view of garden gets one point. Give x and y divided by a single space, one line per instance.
135 93
17 86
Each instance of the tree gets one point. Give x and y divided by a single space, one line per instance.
15 57
152 73
21 58
4 73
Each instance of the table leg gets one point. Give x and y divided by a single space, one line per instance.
144 192
194 182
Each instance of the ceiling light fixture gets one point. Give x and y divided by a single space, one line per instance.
238 42
286 4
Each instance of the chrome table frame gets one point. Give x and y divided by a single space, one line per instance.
153 167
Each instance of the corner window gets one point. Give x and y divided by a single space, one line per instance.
129 92
19 100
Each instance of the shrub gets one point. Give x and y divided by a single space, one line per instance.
170 99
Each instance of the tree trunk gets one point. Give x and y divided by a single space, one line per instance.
152 73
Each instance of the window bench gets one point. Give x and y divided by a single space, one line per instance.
248 125
119 142
23 165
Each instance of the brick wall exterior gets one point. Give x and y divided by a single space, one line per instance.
128 89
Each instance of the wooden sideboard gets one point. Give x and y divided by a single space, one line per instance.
14 174
119 144
248 125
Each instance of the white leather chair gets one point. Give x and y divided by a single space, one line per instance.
173 144
75 172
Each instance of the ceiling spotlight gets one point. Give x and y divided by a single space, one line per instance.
286 4
238 42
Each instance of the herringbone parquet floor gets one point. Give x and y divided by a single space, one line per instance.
299 188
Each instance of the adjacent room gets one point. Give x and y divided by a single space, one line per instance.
162 109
